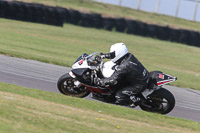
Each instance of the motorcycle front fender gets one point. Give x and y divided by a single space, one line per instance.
72 74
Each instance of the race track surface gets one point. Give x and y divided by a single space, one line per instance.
34 74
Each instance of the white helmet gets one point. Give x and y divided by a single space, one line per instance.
119 49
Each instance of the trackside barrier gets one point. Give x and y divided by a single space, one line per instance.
57 16
32 12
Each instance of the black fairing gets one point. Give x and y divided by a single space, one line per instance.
79 72
83 75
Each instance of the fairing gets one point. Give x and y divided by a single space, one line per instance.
82 61
79 72
81 57
163 79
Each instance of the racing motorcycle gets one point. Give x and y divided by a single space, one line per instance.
79 82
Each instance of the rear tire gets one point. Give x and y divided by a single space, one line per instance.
66 86
163 102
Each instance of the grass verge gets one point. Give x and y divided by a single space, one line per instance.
63 45
31 110
116 11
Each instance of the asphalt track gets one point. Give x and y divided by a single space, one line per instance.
34 74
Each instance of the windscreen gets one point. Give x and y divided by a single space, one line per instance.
81 57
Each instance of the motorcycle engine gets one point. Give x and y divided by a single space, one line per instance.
87 77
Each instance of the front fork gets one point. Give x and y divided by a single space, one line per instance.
93 76
76 83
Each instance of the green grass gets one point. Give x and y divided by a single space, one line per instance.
116 11
63 45
30 110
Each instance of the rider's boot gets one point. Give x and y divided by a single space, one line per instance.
136 100
123 101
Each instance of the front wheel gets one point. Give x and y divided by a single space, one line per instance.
161 101
66 86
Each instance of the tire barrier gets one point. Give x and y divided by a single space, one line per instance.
91 20
174 35
194 39
162 32
131 27
108 23
143 29
72 16
32 12
97 21
152 29
184 36
57 16
155 31
120 24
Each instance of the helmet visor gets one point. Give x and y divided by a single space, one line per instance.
110 55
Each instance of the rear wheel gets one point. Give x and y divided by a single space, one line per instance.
161 101
66 86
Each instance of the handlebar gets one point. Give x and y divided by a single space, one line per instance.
97 60
108 55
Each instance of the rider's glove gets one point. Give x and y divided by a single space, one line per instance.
98 58
98 82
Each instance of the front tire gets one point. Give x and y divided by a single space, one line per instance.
162 101
66 86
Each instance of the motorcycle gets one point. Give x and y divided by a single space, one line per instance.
79 82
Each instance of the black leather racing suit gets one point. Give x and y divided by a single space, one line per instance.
131 75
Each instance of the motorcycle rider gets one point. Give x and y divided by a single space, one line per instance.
129 73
